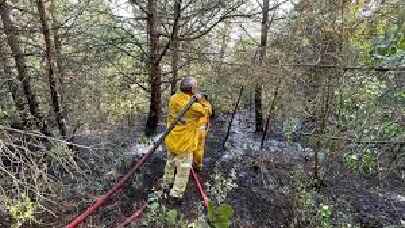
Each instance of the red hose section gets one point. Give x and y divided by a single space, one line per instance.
200 188
138 213
135 216
102 199
118 186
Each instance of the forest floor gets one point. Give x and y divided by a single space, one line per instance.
269 180
270 184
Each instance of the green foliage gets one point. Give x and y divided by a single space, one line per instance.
171 217
369 164
351 161
143 139
386 44
21 210
389 49
7 111
365 163
363 107
304 200
61 156
325 213
3 116
312 208
392 129
158 214
222 186
368 110
220 216
289 127
120 101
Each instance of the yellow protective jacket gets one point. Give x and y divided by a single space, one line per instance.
184 137
208 112
198 155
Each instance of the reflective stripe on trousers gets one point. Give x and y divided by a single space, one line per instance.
182 163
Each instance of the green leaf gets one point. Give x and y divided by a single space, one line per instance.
171 216
225 211
401 44
221 215
210 210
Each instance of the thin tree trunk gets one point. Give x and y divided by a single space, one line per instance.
154 70
13 41
51 69
269 115
258 108
223 46
232 118
263 46
175 51
175 62
58 52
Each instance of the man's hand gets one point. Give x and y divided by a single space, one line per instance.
198 96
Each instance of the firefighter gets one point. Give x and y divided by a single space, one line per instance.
182 142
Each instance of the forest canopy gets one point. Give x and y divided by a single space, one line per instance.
81 81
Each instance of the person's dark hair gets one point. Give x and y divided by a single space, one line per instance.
186 90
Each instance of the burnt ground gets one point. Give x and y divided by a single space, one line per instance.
267 185
265 196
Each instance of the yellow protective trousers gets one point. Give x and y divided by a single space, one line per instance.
198 154
182 163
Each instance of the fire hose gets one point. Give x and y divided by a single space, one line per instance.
200 188
136 215
135 165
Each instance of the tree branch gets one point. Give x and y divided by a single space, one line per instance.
175 25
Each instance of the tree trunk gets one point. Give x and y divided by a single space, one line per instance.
270 114
262 55
13 87
232 118
51 69
58 52
154 70
13 41
258 108
175 62
175 51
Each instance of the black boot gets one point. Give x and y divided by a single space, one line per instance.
175 203
166 193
